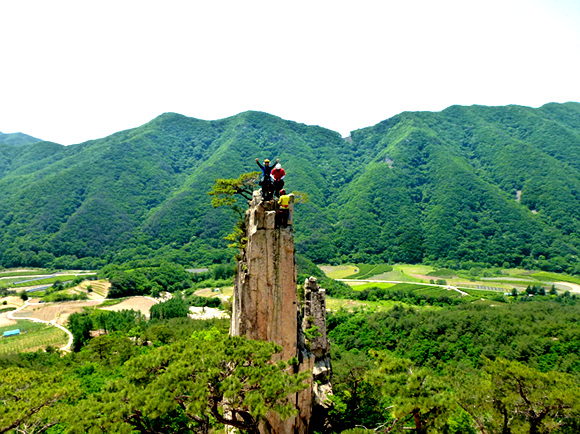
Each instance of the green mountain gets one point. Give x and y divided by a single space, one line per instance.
465 185
17 139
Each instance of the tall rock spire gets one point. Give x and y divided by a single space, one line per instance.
265 301
266 307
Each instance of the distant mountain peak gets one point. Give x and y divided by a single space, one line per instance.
17 139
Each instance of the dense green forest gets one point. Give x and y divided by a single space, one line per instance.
475 367
489 186
17 139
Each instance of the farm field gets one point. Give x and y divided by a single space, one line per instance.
141 304
223 293
22 272
360 286
33 336
555 277
55 311
339 271
497 280
365 271
27 279
100 288
334 304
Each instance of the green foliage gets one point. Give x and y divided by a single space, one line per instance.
512 397
189 383
494 185
224 191
63 296
416 392
370 270
473 368
80 325
306 268
113 321
555 277
175 307
124 284
32 400
408 293
17 139
198 301
443 272
459 369
544 335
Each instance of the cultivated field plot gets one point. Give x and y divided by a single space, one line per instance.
33 336
567 286
223 293
22 272
55 311
366 271
428 291
360 286
100 288
339 271
141 304
397 272
334 304
482 284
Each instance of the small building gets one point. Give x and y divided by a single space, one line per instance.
12 332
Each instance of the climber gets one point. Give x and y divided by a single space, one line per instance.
284 211
266 181
278 175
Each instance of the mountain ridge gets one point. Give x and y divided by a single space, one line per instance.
420 186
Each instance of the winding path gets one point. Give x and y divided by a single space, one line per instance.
52 322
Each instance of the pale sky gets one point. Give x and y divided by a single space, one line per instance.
73 71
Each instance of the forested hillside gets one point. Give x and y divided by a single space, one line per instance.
496 185
17 139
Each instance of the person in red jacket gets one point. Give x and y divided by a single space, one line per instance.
278 175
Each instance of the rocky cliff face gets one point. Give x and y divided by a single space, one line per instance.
316 342
265 286
265 307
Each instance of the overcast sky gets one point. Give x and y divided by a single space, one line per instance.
72 71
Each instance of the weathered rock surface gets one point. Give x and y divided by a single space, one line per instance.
265 307
314 317
316 341
265 302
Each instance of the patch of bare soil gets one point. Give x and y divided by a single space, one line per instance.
427 278
206 313
5 321
11 301
141 304
573 287
223 293
54 311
